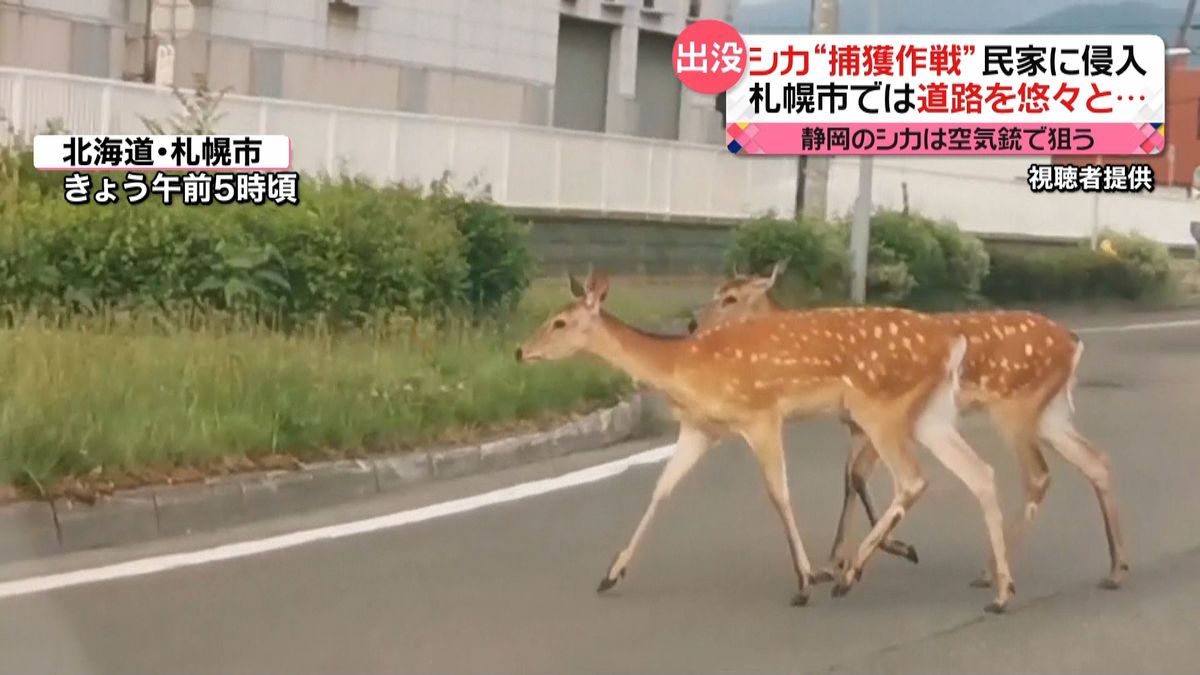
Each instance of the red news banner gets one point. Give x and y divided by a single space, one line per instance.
930 94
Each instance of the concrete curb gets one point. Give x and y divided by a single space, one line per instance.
31 530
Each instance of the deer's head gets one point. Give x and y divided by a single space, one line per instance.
739 297
569 329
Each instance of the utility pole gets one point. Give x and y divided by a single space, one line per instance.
1181 39
147 71
1179 54
860 231
816 180
802 160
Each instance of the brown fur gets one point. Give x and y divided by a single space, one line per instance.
1017 363
890 369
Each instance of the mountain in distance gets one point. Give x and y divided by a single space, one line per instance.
1125 17
1158 17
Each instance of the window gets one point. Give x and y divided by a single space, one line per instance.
342 13
693 9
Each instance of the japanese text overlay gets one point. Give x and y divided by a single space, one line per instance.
941 94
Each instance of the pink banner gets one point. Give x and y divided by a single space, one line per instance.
799 138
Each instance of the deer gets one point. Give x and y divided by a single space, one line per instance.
1020 368
746 376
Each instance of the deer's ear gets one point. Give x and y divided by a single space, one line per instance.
576 287
777 270
596 288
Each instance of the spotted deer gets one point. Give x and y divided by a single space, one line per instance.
1020 368
748 375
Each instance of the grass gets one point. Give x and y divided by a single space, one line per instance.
120 399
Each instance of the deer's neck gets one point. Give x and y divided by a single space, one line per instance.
643 356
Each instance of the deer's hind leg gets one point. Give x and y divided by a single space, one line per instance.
1018 425
860 461
933 423
936 429
1059 431
894 447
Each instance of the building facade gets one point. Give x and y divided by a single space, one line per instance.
590 65
1179 164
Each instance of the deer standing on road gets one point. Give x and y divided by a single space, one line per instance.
894 371
1020 367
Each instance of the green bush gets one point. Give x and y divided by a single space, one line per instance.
915 259
18 178
1150 261
817 268
500 262
967 260
889 280
911 241
918 261
348 251
912 259
1140 269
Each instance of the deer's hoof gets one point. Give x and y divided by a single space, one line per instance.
911 554
611 579
996 607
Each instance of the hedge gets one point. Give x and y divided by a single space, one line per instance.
918 261
1133 268
818 266
348 251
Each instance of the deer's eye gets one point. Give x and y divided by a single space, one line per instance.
559 323
728 300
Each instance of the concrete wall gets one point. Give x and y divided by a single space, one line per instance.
509 39
630 246
470 58
487 59
81 37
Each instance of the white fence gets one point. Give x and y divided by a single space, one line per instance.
548 168
990 195
526 166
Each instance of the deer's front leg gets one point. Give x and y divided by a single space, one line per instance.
693 442
766 440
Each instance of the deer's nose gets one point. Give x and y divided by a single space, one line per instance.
692 325
518 354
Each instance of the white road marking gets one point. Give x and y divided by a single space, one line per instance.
1184 323
162 563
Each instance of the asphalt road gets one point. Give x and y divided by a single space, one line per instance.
510 587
